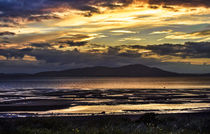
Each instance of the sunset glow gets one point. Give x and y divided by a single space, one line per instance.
156 33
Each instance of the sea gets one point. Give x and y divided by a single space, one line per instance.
64 96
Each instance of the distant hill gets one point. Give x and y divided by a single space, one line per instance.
16 75
137 70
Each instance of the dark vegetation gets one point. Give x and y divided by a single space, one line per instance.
149 123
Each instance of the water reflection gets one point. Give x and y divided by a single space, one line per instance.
107 83
158 108
95 95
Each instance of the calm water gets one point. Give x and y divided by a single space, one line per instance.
112 95
106 83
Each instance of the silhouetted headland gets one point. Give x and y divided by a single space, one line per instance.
136 70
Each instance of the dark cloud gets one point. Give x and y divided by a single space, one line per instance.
202 33
135 46
23 66
13 11
187 50
6 25
10 53
42 17
41 45
5 42
37 10
113 51
76 37
130 53
66 57
52 59
41 52
58 56
190 3
105 3
6 33
89 8
74 43
111 5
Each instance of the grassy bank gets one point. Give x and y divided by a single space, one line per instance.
132 124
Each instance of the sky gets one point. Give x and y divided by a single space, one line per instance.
43 35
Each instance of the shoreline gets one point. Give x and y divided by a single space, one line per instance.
123 101
202 114
48 114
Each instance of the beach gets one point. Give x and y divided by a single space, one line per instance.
105 106
113 96
112 101
104 66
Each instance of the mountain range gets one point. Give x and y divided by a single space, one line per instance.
136 70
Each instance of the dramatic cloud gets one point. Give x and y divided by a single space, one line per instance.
78 37
6 33
43 9
6 25
194 3
189 49
21 8
203 35
73 33
46 9
73 43
41 45
19 54
60 58
43 58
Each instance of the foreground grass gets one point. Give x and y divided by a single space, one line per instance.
145 124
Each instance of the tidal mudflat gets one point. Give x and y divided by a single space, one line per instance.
87 96
112 101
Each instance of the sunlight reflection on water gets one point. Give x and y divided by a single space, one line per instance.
110 95
166 108
107 83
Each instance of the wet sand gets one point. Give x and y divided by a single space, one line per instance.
145 100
